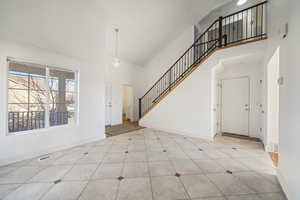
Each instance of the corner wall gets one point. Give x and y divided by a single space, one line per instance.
166 57
289 126
90 125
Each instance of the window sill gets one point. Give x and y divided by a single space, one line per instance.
42 130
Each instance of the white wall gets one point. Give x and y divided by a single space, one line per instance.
253 69
91 106
128 74
289 126
223 10
166 57
128 102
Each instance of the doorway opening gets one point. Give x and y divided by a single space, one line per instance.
237 108
272 138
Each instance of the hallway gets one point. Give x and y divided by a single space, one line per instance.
125 127
146 164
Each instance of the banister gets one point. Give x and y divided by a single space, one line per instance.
228 34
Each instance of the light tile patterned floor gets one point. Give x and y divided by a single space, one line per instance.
146 165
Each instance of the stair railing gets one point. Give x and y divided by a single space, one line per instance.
246 25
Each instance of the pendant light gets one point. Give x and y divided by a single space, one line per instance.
116 61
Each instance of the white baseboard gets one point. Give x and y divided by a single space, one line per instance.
18 158
272 148
283 184
208 137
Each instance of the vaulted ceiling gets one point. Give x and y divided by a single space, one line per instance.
84 29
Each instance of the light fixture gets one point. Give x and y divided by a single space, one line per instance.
116 61
241 2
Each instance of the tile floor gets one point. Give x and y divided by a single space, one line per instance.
146 165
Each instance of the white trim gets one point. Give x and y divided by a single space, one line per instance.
283 184
6 99
46 151
37 63
47 124
42 130
249 100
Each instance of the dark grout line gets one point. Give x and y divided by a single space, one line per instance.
223 195
122 172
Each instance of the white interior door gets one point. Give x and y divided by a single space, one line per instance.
108 104
128 101
235 106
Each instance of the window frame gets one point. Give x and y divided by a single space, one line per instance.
47 111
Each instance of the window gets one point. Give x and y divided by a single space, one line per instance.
40 96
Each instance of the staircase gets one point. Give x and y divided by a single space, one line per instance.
242 27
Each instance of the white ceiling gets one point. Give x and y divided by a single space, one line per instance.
84 29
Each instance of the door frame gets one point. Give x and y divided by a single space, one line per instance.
221 102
